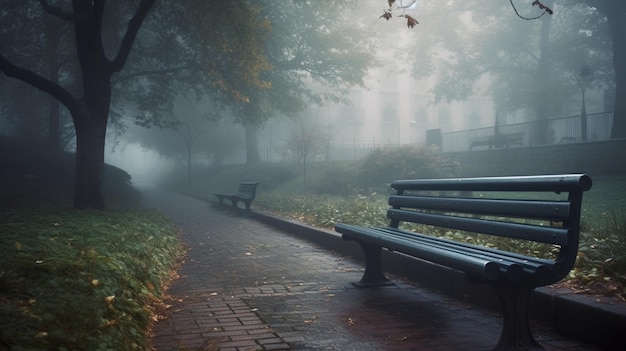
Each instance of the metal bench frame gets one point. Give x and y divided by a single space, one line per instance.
245 194
454 204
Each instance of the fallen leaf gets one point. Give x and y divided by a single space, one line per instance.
410 21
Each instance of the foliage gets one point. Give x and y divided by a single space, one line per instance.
601 263
473 44
384 165
82 280
324 210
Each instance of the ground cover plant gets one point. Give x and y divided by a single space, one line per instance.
82 280
71 279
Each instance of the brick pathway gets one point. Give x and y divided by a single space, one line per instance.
246 286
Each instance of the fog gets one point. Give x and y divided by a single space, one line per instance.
145 166
347 81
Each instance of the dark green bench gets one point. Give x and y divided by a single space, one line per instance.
540 209
245 194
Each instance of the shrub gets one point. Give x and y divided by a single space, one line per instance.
384 165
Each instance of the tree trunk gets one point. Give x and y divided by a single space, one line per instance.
54 119
89 172
54 130
542 103
617 25
252 146
189 165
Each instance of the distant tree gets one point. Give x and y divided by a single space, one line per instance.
615 12
316 52
476 60
307 139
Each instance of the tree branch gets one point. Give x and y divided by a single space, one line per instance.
151 72
39 82
56 11
131 33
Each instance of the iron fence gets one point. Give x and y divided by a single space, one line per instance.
553 131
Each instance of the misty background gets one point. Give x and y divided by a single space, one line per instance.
298 81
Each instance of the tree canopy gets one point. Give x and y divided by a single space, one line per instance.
532 64
254 56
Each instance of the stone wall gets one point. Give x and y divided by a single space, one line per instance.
594 158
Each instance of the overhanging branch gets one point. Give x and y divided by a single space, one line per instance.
39 82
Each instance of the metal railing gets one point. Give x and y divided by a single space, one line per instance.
552 131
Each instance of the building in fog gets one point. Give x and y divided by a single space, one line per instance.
398 110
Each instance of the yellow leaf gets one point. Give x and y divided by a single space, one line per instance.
18 246
109 299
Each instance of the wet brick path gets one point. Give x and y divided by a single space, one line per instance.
247 286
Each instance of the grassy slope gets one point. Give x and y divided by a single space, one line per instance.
76 280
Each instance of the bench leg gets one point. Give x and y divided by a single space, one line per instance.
515 302
373 275
234 201
247 203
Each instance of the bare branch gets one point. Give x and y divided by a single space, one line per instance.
56 11
131 33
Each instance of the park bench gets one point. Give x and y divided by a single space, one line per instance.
245 194
500 140
536 209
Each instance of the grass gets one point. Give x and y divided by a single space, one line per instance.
77 280
82 280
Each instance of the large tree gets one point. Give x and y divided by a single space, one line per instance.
104 33
90 109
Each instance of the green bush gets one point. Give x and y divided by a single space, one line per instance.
384 165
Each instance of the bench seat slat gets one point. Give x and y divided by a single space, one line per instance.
541 269
476 266
548 235
510 265
547 210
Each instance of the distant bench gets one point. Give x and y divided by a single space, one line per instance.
525 208
245 194
499 140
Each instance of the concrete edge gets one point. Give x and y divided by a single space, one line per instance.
581 317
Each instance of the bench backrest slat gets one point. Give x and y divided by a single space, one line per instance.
520 207
547 210
553 183
549 235
247 190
